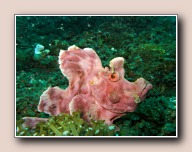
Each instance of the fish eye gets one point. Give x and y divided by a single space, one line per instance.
114 76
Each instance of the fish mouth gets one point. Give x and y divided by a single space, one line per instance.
145 89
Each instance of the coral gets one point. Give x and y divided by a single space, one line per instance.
157 116
41 55
39 48
98 93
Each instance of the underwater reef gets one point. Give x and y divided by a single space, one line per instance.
148 45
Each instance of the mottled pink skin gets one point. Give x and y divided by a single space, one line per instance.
32 121
98 93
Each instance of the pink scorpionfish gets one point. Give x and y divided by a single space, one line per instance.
98 93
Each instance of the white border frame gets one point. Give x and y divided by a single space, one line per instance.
100 136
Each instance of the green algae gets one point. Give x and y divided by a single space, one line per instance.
67 125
